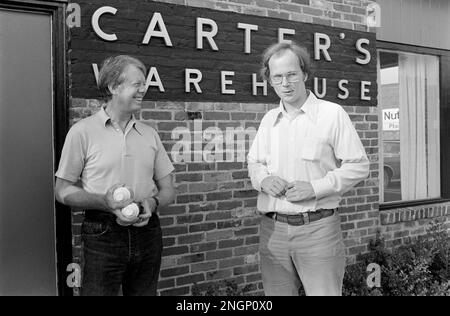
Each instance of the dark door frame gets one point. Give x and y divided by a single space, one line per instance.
60 122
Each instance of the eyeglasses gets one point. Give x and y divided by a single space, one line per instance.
290 77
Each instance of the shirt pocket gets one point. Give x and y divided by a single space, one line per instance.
311 148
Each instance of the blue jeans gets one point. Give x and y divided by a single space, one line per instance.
312 254
115 256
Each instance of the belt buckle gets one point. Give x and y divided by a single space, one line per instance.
305 218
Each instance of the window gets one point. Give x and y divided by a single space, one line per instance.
409 126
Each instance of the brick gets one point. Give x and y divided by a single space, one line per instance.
191 279
174 271
169 105
240 175
254 107
218 216
347 226
203 247
169 126
180 291
167 242
227 263
342 8
228 205
166 284
291 7
229 224
253 277
171 251
248 116
170 231
201 166
191 258
252 240
156 115
217 176
367 223
246 269
357 216
174 210
246 231
218 196
188 177
203 207
353 18
252 221
245 194
229 165
189 198
184 219
312 11
219 235
230 243
246 250
148 104
305 2
278 14
218 274
190 239
250 203
230 185
218 254
344 25
216 116
401 234
181 188
357 250
166 221
202 227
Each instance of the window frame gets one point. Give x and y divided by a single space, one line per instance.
444 118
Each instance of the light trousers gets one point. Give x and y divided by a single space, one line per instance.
312 254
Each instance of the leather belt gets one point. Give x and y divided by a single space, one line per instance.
302 218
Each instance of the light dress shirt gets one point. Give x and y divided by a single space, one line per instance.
317 144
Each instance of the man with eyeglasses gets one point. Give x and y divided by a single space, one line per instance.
305 156
102 153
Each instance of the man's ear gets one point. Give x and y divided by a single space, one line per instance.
112 89
306 77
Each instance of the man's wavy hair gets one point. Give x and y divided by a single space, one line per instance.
277 49
112 72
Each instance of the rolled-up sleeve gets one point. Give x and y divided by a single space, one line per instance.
348 149
257 157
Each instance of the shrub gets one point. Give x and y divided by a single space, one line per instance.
419 269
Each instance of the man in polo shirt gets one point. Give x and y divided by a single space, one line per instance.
305 156
107 150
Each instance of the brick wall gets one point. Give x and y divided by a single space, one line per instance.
348 14
211 232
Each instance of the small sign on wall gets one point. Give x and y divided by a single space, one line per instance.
391 121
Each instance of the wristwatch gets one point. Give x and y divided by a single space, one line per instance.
156 201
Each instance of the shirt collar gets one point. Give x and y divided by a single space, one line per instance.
309 108
104 118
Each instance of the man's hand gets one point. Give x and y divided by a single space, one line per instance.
116 207
299 191
111 204
275 186
149 206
